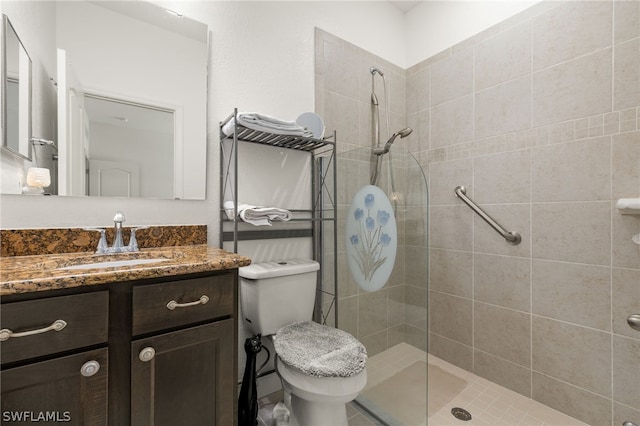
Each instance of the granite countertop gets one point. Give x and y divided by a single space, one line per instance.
26 274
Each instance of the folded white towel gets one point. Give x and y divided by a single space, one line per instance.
628 205
266 123
257 215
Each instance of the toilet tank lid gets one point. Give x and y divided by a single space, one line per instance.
281 268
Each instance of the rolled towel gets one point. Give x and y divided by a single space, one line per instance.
266 123
257 215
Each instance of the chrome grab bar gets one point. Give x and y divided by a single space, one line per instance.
512 237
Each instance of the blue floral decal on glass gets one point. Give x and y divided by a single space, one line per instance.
371 238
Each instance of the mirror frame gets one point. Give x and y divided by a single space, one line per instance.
6 27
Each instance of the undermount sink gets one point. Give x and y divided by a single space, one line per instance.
113 264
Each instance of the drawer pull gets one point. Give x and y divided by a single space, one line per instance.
173 304
90 368
147 354
57 325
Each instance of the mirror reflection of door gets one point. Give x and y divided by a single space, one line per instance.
113 179
131 136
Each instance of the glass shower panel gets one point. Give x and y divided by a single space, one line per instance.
389 318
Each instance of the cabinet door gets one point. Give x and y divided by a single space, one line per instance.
184 377
70 390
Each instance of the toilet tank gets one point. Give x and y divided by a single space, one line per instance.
275 294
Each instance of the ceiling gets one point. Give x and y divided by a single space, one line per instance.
405 6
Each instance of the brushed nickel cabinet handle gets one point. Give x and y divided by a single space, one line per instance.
90 368
147 354
173 304
57 325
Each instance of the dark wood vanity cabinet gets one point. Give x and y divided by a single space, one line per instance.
166 351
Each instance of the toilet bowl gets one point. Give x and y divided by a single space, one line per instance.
321 368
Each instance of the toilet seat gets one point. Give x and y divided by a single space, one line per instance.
320 351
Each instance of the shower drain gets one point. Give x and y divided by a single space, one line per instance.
461 414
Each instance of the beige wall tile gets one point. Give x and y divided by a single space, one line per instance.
452 122
626 371
418 94
504 57
375 343
626 76
503 108
450 227
589 365
451 272
572 292
622 413
416 307
342 76
454 352
415 337
348 315
416 269
625 253
626 20
574 89
341 116
452 78
502 280
572 232
503 178
445 177
450 316
626 165
571 30
513 218
504 373
626 300
419 139
578 403
504 333
372 312
395 306
574 171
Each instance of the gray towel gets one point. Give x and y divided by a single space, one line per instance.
319 350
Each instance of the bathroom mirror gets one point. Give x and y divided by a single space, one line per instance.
16 90
140 129
135 54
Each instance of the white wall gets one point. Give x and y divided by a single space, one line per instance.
434 26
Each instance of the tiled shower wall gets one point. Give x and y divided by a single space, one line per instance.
397 312
538 118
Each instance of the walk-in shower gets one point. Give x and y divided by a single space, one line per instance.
383 210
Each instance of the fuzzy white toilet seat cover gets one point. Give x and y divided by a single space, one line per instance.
319 350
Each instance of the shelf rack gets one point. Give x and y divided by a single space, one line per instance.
324 209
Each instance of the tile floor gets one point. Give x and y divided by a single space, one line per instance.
488 403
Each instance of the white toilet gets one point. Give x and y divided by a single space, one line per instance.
322 368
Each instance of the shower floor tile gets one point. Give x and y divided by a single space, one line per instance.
488 403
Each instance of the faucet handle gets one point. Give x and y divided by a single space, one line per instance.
102 244
133 243
119 217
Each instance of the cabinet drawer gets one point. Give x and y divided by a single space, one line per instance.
152 313
86 317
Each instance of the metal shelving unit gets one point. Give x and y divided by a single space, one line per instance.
305 223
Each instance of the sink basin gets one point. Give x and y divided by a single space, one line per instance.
113 264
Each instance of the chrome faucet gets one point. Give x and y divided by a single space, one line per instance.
118 245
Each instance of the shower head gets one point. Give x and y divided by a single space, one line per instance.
402 133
